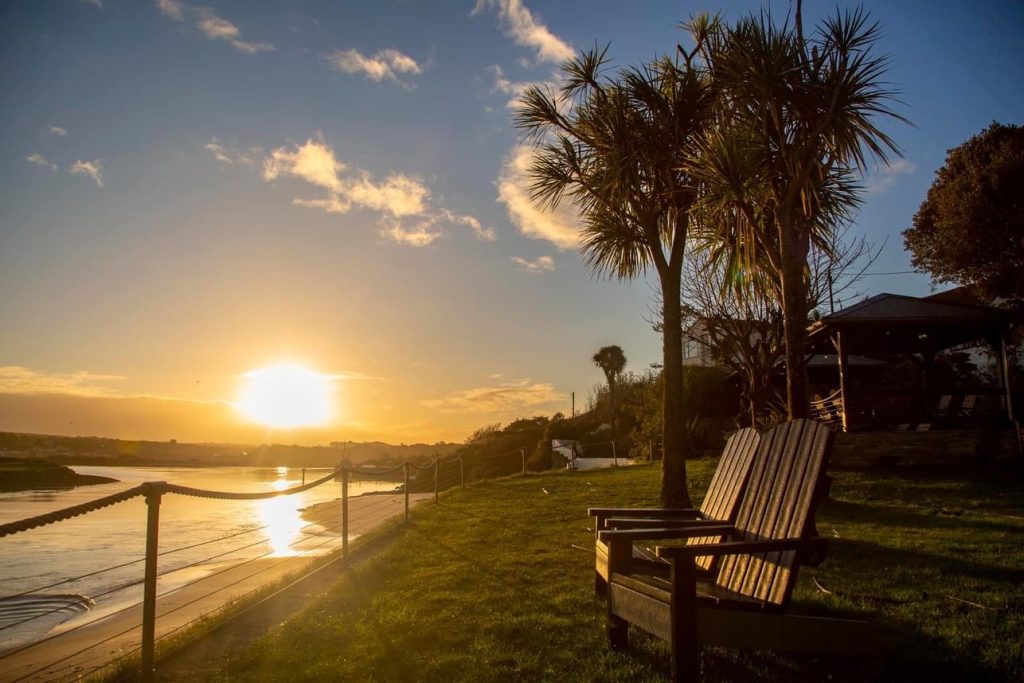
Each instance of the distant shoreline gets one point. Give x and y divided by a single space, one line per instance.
28 474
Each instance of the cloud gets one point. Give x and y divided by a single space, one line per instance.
212 26
315 162
486 234
229 154
40 160
171 8
93 169
541 265
507 397
57 130
526 30
420 234
383 64
887 175
15 379
559 226
408 214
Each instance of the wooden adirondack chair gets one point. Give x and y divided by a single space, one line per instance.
744 605
719 506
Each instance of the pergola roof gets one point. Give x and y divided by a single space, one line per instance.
893 323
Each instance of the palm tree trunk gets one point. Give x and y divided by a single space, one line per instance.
673 464
795 245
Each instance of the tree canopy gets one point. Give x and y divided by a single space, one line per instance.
970 228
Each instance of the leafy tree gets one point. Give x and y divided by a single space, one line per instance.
618 148
798 122
970 228
612 362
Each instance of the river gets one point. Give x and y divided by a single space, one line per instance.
117 535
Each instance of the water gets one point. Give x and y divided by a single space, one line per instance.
117 535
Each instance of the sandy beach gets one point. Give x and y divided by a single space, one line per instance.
79 652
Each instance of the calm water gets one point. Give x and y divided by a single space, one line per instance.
117 534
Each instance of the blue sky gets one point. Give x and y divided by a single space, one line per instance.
189 190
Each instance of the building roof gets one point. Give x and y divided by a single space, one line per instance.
895 323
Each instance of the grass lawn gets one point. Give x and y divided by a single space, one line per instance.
496 583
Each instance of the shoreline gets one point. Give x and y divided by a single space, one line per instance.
19 474
96 645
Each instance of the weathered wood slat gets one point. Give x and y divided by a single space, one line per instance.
742 605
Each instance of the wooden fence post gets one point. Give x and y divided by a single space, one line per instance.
344 516
522 454
154 492
462 473
437 467
615 458
405 466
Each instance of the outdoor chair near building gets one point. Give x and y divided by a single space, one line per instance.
743 602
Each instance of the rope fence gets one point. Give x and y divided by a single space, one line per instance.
331 525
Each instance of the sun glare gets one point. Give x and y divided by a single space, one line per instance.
287 396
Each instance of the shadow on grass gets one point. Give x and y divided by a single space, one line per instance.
881 515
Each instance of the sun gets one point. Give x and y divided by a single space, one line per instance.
287 396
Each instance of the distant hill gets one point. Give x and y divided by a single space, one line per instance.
89 450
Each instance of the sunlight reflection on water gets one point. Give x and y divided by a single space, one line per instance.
281 517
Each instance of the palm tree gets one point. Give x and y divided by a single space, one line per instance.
798 123
617 147
612 362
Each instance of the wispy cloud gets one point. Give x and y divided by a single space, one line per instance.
40 160
541 265
15 379
171 8
887 175
211 25
418 234
57 130
409 217
507 397
526 30
231 154
316 163
384 64
93 169
559 226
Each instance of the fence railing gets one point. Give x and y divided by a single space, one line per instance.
414 482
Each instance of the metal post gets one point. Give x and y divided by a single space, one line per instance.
522 454
462 473
154 492
615 458
344 516
405 467
437 466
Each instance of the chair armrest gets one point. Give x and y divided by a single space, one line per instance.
740 547
666 534
685 513
652 523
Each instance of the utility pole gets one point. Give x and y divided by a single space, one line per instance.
574 404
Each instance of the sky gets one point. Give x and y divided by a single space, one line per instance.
190 191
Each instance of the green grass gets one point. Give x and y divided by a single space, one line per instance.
495 583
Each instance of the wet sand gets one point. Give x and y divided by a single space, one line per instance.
77 653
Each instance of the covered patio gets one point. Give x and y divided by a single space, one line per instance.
894 327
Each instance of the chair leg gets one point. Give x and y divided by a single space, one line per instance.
683 613
618 632
600 585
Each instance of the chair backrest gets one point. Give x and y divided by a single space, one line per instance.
786 482
728 482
